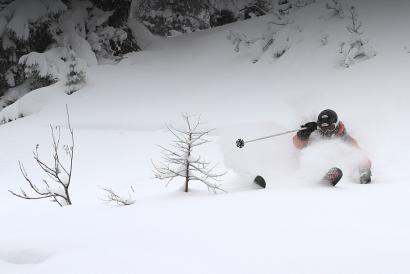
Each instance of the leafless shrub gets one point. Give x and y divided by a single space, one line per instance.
324 40
56 186
356 48
337 8
355 24
272 36
119 200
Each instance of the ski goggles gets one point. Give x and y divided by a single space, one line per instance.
325 127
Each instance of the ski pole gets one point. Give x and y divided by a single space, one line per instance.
241 143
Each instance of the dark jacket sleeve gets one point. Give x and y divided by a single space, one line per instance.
300 143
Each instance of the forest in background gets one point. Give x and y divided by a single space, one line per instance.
46 41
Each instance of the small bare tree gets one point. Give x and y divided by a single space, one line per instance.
180 162
356 48
336 7
355 24
56 187
273 36
112 197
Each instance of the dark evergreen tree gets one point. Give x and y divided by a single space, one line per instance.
120 11
166 18
256 8
223 17
16 42
76 75
103 31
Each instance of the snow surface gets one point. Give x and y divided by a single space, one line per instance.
295 225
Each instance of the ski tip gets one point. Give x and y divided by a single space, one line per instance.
260 181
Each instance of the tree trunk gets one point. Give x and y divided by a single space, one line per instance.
68 200
187 177
187 163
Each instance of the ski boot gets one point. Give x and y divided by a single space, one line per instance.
365 175
333 176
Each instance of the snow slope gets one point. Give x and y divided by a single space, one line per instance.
295 225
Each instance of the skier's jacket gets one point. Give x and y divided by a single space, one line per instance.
340 132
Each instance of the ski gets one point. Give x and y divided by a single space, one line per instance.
333 176
260 181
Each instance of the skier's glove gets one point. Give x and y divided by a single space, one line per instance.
308 128
311 126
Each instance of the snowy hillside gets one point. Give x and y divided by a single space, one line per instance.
296 225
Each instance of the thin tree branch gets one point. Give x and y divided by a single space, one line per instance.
53 173
112 197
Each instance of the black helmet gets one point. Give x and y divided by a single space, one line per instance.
327 121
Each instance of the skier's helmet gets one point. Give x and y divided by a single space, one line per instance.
327 121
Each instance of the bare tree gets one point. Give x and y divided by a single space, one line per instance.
237 38
272 36
355 24
56 186
178 161
356 48
112 197
336 7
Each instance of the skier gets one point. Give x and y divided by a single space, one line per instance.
328 126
